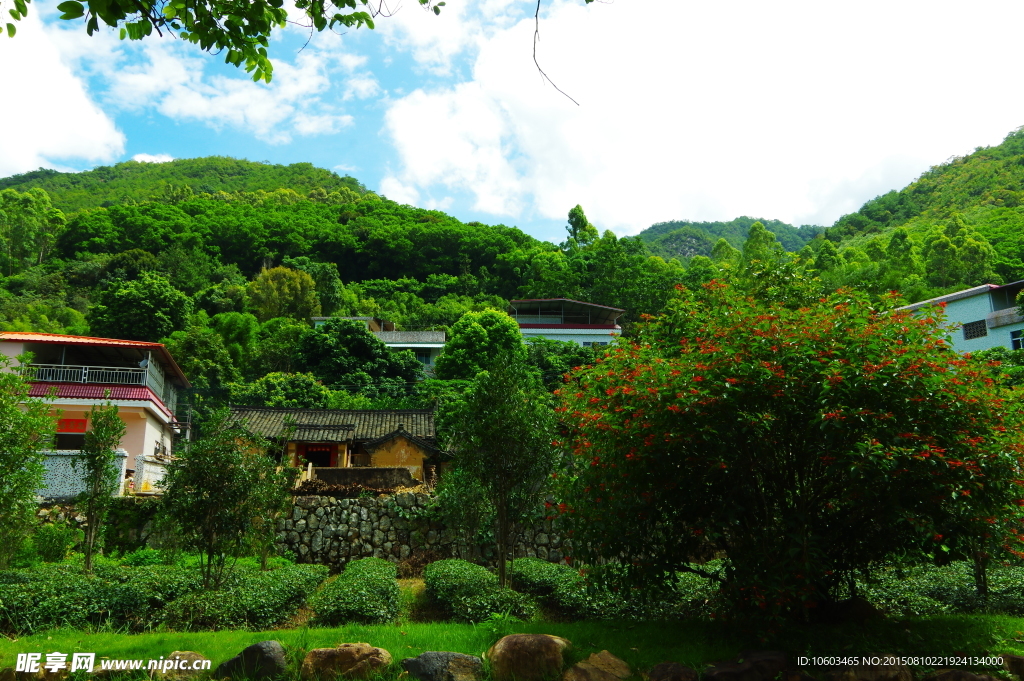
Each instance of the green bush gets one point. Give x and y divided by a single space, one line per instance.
55 541
470 593
54 595
539 577
250 599
143 557
366 592
926 590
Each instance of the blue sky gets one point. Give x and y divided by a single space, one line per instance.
798 111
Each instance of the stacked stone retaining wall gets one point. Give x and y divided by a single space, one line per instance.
330 531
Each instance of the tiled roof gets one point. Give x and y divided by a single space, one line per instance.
92 391
337 425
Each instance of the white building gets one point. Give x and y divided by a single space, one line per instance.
566 320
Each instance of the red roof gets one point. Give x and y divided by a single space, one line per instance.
92 391
34 337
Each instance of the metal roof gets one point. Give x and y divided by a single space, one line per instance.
335 425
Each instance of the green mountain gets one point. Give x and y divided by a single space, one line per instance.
984 189
138 182
686 238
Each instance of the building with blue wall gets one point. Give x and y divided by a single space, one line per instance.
982 317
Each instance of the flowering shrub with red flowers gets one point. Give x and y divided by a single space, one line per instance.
802 445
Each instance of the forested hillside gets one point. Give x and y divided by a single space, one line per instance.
227 260
685 238
137 182
976 202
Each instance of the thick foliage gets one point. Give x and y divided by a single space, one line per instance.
366 592
470 593
254 600
804 444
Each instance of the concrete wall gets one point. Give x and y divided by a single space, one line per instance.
63 480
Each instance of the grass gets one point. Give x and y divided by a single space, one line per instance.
642 645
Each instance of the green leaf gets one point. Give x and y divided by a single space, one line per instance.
14 14
123 34
437 10
71 9
11 30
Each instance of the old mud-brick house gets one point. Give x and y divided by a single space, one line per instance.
351 446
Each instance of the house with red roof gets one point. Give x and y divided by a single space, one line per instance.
73 373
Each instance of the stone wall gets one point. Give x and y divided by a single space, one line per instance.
329 531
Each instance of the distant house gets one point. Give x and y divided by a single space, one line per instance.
986 315
343 438
566 320
426 345
73 373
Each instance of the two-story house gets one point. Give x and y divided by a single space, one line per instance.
986 316
566 320
73 373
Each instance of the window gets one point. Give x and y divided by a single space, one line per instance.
975 330
70 441
423 356
1017 339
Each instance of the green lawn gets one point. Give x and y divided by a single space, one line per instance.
642 645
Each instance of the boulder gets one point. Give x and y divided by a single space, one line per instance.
350 660
957 675
444 666
671 671
602 666
263 660
527 657
186 664
874 672
1014 664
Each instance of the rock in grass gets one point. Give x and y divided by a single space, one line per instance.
444 666
671 671
1014 664
957 675
874 672
260 661
187 664
527 657
602 666
349 660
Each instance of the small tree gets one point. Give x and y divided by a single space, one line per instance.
475 343
218 492
99 458
501 435
25 431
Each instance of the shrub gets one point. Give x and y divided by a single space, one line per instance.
539 577
365 592
55 541
144 557
471 593
59 595
250 600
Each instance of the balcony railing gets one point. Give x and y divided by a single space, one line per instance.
58 373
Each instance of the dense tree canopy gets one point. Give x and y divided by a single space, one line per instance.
804 443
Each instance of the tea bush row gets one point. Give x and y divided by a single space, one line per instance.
366 592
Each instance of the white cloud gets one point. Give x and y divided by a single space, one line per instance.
47 115
798 111
152 158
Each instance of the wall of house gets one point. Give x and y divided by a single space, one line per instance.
580 336
11 350
399 452
332 532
